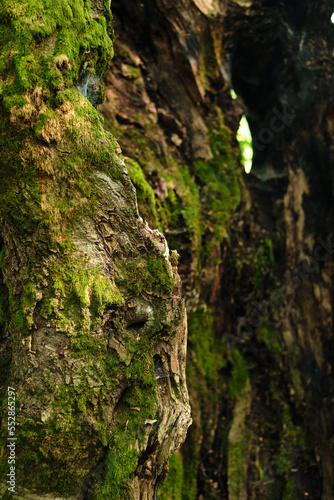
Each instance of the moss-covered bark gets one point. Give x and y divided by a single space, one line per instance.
93 326
92 319
257 354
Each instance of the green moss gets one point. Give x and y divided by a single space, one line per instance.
37 63
190 478
238 444
57 444
42 59
55 452
15 177
86 285
123 53
174 258
150 275
2 256
22 310
40 460
207 350
78 293
138 404
297 388
239 375
121 463
191 210
290 492
236 466
267 334
179 212
206 196
130 71
173 484
145 195
291 437
208 69
4 299
47 478
265 255
7 495
219 181
190 453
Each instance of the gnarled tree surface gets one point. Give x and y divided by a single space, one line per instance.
256 254
93 327
92 321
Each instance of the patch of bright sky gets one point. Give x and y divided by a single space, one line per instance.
244 138
332 18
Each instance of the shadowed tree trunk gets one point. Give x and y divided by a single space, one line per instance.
256 254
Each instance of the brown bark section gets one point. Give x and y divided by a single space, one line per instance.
275 309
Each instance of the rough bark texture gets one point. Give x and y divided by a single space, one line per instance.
260 315
93 323
92 301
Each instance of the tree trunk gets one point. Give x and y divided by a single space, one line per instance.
93 323
259 314
92 317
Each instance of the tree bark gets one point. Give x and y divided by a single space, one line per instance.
93 323
259 314
88 298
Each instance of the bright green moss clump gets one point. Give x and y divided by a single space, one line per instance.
79 291
145 195
151 275
45 43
